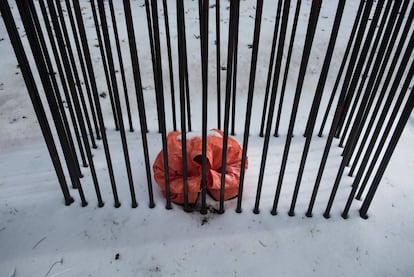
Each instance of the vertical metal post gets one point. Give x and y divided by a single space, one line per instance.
204 63
170 65
285 74
107 43
249 105
181 53
275 83
54 84
82 33
383 115
155 72
218 64
33 38
353 136
338 111
383 139
345 159
234 87
316 101
270 70
358 68
104 63
72 63
368 64
82 65
234 7
61 43
35 98
342 67
140 102
63 83
310 34
384 66
121 64
387 156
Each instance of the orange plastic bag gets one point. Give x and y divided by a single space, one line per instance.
214 159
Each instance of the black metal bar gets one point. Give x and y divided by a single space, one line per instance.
107 43
34 41
275 83
310 34
353 137
61 43
104 63
380 122
35 99
121 64
360 112
387 155
170 65
358 68
285 75
342 67
78 84
140 102
187 84
204 61
161 89
181 53
155 72
368 65
380 75
234 6
270 70
83 69
234 87
338 110
385 135
317 100
63 82
58 97
218 64
82 33
249 105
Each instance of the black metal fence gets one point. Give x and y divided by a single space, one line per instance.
370 91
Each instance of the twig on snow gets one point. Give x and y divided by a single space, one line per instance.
55 263
38 242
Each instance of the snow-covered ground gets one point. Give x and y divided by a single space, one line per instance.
39 234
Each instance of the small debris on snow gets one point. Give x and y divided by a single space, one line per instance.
55 263
103 95
37 243
262 244
117 256
204 220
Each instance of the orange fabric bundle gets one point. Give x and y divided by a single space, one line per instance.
214 159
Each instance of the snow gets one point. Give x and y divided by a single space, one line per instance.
38 231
